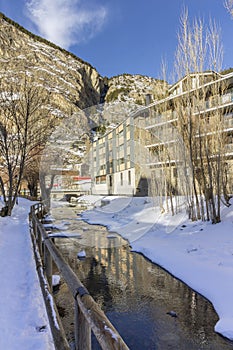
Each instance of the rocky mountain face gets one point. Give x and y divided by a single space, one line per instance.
73 83
127 93
136 88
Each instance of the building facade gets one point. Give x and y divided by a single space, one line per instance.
193 123
116 160
150 151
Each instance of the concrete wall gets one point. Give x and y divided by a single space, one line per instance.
123 183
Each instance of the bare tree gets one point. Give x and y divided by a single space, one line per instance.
25 124
31 175
199 52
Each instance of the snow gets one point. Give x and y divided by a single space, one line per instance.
56 280
62 226
23 318
198 253
111 236
113 335
65 235
81 254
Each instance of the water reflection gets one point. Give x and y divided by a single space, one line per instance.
136 295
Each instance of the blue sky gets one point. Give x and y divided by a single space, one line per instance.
124 36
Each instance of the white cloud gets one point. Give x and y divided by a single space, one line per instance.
66 22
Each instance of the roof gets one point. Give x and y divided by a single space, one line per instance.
194 74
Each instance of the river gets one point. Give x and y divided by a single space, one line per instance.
135 294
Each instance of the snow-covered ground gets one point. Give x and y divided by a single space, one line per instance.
23 320
198 253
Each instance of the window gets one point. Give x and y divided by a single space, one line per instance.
121 179
121 147
103 179
129 177
110 181
100 179
121 161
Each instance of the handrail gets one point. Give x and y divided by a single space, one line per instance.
88 315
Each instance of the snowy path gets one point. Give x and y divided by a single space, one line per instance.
22 306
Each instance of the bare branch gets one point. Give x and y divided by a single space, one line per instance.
229 6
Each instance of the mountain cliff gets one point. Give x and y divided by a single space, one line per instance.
73 83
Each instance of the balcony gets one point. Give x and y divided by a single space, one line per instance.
160 119
228 122
215 102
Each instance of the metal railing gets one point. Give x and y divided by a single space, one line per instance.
88 316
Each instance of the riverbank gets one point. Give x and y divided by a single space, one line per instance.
198 253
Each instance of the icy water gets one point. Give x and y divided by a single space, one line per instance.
135 294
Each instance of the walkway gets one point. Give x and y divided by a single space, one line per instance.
23 318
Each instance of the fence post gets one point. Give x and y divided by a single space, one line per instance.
39 239
48 265
76 307
40 214
34 226
82 330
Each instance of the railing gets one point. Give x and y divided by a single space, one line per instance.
88 317
215 102
159 119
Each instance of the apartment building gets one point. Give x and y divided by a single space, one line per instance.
149 148
116 160
204 103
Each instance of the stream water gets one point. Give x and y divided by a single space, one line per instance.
135 294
